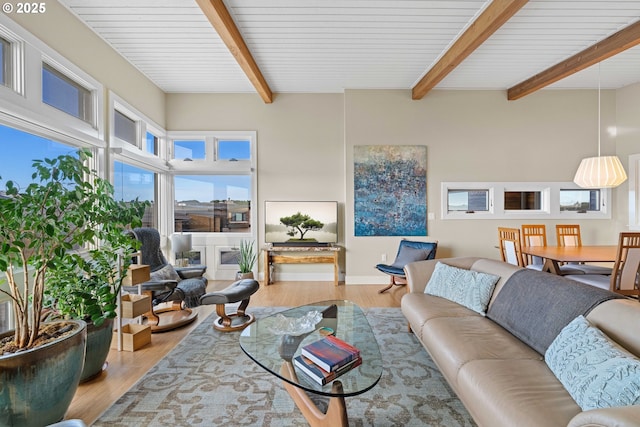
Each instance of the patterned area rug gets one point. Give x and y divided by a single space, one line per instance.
207 381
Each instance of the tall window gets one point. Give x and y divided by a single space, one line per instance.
132 183
213 203
63 93
19 150
5 62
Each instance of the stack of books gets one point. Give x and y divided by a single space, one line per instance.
326 359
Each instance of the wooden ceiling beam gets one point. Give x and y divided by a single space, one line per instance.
612 45
220 18
492 18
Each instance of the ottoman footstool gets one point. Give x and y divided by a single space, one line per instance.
239 291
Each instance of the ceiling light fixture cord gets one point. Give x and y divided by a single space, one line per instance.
599 120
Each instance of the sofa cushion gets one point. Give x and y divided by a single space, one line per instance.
596 372
535 306
516 392
471 289
420 308
455 341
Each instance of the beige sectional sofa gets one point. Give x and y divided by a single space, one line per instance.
501 380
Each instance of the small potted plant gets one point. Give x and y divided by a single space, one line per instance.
65 208
246 260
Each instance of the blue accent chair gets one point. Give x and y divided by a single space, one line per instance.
408 251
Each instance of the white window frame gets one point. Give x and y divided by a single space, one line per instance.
16 55
212 166
550 208
24 100
143 125
634 192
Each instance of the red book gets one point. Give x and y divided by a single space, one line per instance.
330 353
318 374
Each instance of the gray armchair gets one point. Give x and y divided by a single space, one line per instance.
173 290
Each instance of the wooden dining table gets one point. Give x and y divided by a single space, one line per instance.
555 255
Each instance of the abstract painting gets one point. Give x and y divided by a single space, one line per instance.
390 190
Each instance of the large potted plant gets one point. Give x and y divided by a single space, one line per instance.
61 211
246 260
86 285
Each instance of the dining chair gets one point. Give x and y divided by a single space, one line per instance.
625 276
534 235
510 246
570 235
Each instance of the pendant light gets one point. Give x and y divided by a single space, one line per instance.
600 171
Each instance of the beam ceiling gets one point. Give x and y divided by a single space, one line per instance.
221 20
490 20
612 45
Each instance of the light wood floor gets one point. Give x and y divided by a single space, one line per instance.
125 368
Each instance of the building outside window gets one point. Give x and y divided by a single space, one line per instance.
131 182
212 203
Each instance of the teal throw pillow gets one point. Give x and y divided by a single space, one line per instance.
595 371
471 289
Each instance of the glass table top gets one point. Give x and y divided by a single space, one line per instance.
274 351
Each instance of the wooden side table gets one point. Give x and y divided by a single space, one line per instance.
301 255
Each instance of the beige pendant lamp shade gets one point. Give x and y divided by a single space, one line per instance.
600 171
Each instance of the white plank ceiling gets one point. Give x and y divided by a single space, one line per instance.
327 46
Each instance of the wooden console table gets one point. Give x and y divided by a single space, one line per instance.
301 255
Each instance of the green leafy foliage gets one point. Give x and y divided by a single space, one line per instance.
45 230
247 257
300 223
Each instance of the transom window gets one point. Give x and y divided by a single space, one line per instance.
523 200
189 149
124 128
5 59
580 201
152 143
467 200
63 93
234 150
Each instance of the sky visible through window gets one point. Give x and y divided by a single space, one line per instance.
20 149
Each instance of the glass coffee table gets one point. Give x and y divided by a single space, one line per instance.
266 344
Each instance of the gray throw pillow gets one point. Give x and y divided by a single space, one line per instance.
408 254
165 273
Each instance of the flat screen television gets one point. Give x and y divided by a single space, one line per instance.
301 223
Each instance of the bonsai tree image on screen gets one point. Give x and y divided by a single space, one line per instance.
300 223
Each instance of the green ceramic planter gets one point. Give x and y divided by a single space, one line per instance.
98 345
37 385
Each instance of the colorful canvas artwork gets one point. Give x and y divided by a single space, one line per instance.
390 190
